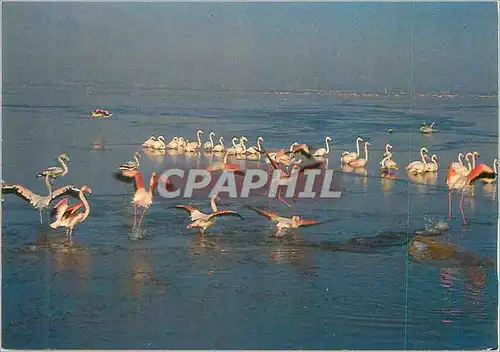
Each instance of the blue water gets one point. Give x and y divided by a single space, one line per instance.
237 287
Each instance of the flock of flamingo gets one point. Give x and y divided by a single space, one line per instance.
459 177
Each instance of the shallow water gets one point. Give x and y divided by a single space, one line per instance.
238 287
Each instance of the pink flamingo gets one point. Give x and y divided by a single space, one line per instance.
142 198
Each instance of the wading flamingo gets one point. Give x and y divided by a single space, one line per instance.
418 167
283 224
37 201
173 143
142 198
347 157
157 143
232 150
149 142
209 145
131 165
459 167
361 162
219 148
194 146
470 165
67 216
56 171
456 181
204 221
321 152
433 166
258 149
241 148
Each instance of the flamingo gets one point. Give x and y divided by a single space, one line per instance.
39 202
348 157
361 162
258 149
194 146
387 164
56 171
67 216
131 165
241 148
321 152
149 142
209 145
469 165
456 181
459 166
202 220
142 198
432 167
282 223
219 148
427 129
157 143
492 180
233 150
225 166
173 143
181 143
418 167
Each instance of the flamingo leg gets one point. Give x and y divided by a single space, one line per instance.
140 220
449 204
281 199
462 208
135 215
41 217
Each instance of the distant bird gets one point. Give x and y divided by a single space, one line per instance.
225 166
37 201
142 198
283 224
456 181
173 143
219 148
67 216
347 157
202 220
360 162
258 149
56 171
194 146
131 165
427 129
209 145
321 152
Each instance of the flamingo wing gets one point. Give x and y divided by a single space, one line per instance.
480 171
187 208
20 191
66 190
267 214
225 212
135 175
60 208
309 222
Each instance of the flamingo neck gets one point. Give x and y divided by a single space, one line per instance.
473 161
85 204
460 156
136 160
366 152
495 166
199 140
221 142
138 181
258 144
422 156
213 205
234 142
211 141
224 161
63 164
327 146
357 147
49 186
242 143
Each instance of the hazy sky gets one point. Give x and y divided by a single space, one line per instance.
345 46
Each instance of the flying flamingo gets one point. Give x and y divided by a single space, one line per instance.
321 152
142 198
37 201
56 171
456 181
225 166
418 167
209 145
67 216
131 165
360 162
282 223
348 157
202 220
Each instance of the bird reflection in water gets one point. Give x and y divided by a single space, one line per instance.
291 250
361 171
490 189
387 182
422 182
100 144
157 156
142 271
